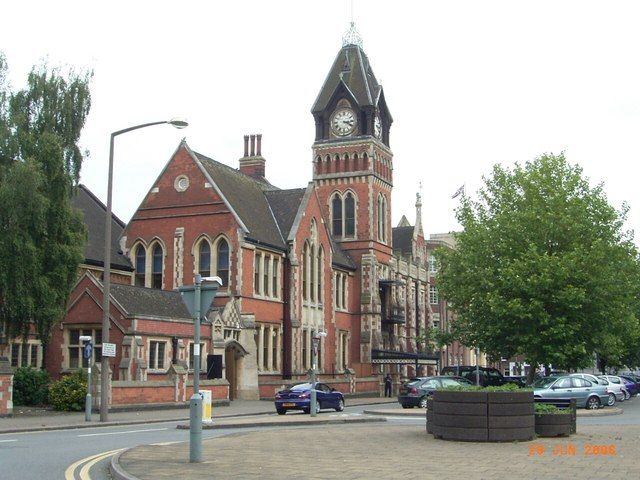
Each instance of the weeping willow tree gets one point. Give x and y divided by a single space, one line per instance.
41 235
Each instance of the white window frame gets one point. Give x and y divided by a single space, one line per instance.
165 363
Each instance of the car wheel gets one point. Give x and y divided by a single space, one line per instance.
281 411
593 403
423 402
340 406
407 406
317 407
626 395
612 399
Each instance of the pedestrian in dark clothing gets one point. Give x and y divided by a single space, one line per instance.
387 385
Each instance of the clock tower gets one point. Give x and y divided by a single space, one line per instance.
353 174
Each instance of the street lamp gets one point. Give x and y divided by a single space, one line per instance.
104 363
315 339
198 299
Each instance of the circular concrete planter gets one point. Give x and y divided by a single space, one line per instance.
482 416
554 424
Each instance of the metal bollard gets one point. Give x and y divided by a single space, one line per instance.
195 428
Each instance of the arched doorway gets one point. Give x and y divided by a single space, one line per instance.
233 355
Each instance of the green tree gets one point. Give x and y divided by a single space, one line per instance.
543 267
42 235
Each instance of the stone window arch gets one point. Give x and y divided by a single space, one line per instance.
140 264
382 218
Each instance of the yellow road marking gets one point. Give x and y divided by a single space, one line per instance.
69 472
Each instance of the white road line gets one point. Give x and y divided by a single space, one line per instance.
5 441
122 433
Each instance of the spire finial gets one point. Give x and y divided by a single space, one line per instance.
352 37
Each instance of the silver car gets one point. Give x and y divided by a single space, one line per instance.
613 394
587 394
617 385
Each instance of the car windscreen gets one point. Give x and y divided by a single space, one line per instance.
544 382
302 386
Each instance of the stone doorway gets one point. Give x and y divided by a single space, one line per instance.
233 357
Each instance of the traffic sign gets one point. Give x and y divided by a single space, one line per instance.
87 350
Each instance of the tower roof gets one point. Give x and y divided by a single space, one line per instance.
352 69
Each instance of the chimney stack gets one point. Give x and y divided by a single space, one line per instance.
253 163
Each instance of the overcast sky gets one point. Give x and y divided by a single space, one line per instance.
469 84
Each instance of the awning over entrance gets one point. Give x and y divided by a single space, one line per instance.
403 358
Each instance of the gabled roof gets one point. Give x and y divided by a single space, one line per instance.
402 238
284 205
149 302
351 68
247 197
94 212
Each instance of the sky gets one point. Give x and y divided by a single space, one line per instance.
469 84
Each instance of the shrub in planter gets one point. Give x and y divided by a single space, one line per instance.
552 421
69 393
30 386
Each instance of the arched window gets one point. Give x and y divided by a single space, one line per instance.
382 218
349 215
305 269
222 267
141 265
157 267
336 215
312 273
204 259
320 272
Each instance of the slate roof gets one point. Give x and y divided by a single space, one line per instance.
247 198
140 301
340 258
284 205
93 212
351 67
402 237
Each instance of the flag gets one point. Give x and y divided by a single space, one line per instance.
460 191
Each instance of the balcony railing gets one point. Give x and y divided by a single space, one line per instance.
394 314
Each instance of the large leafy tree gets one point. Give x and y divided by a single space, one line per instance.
42 236
543 267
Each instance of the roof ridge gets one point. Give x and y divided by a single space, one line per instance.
259 183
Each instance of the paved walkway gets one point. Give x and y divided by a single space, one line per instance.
384 451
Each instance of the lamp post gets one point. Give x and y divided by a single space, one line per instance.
477 366
315 339
197 298
104 363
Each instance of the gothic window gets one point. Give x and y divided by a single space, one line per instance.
349 215
222 262
204 259
382 218
274 277
312 274
343 215
141 265
157 266
305 269
320 270
336 215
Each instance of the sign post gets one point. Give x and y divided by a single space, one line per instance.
87 350
315 340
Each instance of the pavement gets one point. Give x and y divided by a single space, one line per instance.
350 447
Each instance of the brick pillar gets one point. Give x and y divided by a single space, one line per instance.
6 388
178 374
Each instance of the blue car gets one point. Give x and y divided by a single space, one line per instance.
298 397
587 394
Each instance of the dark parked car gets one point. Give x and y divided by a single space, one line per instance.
488 376
632 385
414 393
298 397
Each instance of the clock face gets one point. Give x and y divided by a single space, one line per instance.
343 122
377 127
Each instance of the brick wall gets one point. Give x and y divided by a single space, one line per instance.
6 388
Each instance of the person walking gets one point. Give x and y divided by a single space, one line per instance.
387 385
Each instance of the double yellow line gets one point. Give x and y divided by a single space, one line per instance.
88 462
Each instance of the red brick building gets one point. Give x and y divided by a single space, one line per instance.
320 258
